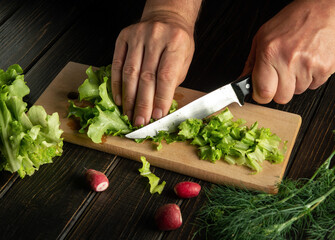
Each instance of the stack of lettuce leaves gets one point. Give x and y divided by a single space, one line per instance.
28 139
103 117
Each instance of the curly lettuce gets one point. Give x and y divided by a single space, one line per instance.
104 116
28 139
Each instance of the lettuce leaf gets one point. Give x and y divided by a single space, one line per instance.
104 117
28 139
153 179
190 128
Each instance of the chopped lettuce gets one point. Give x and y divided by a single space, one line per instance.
220 137
28 139
190 128
174 106
153 179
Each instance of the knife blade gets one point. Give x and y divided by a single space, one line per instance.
199 108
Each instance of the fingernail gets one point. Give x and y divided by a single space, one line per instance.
118 100
157 113
139 121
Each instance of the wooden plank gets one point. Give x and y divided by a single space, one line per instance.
318 142
126 210
32 28
90 45
7 8
178 157
40 206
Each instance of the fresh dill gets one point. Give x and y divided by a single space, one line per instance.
302 209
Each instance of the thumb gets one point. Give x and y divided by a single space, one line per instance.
264 80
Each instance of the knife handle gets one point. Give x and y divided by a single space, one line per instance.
242 87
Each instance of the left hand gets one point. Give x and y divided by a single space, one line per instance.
293 51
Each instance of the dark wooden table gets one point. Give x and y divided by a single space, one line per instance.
43 36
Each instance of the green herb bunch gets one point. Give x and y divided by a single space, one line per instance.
302 209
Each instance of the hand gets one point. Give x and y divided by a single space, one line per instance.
293 51
151 59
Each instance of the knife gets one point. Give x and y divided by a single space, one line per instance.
199 108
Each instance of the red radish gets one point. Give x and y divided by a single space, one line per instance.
168 217
187 189
97 180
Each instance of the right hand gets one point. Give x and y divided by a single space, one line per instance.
151 59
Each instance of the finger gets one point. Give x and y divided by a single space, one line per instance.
303 78
117 65
320 76
264 80
130 77
317 81
171 70
286 87
147 84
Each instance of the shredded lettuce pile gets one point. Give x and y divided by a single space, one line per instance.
153 179
220 137
104 116
28 139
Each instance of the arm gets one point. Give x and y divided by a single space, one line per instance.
152 57
293 51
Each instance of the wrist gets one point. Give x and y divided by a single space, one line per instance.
182 13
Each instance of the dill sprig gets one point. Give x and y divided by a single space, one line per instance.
302 209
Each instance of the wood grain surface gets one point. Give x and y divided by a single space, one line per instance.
178 157
43 36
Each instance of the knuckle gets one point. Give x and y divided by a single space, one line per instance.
129 102
266 93
270 49
166 76
124 34
143 106
179 34
116 85
148 77
324 70
157 29
162 102
117 65
130 71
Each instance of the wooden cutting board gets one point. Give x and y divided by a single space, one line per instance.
178 157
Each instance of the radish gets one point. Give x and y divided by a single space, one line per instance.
187 189
168 217
97 180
